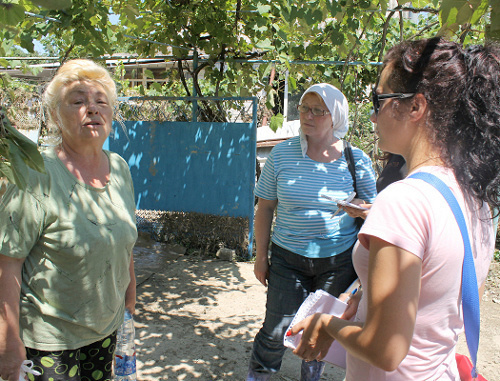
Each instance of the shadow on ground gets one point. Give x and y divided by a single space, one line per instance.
196 318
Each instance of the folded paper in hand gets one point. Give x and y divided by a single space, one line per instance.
320 301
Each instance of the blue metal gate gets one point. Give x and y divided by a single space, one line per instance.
191 166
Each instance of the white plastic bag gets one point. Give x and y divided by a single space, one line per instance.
26 367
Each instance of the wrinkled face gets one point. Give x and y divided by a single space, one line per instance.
312 125
85 115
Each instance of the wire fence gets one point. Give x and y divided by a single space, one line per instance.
28 114
24 112
185 109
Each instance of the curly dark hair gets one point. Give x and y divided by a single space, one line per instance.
462 89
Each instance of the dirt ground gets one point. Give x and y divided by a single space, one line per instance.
196 318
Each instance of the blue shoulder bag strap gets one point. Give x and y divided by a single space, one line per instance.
470 293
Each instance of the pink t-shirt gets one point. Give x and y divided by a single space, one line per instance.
413 215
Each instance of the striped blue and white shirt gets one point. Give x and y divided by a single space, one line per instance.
304 224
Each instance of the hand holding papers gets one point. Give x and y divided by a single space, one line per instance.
320 301
357 210
346 202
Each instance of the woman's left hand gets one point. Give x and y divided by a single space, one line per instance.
352 306
130 305
315 341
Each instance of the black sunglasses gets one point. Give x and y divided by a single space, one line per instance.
376 98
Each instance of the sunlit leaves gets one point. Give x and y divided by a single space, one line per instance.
264 44
276 121
53 4
11 13
263 9
17 153
423 3
493 30
459 12
278 31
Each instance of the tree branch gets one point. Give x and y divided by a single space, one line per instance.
195 74
271 80
383 40
419 10
349 55
401 26
222 58
465 32
237 16
66 54
182 77
427 27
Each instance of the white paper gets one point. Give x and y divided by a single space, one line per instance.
320 301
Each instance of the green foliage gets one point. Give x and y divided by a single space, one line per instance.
11 14
17 153
243 47
228 32
493 28
276 122
53 4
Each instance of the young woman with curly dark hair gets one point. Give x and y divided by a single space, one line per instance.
438 106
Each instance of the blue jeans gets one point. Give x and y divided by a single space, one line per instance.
291 278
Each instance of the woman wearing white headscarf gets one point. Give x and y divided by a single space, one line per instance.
311 243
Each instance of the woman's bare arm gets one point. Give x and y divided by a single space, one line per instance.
12 351
393 291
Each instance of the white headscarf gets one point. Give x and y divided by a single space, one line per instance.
336 102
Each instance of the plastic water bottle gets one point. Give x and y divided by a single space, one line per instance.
125 367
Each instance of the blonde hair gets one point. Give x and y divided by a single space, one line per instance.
72 71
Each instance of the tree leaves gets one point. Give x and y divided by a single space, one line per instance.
313 16
11 13
263 9
227 32
276 122
493 29
455 13
17 153
53 4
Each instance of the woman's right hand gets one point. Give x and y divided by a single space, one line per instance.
12 350
12 355
263 221
261 270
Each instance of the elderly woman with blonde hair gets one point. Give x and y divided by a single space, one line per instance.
66 266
